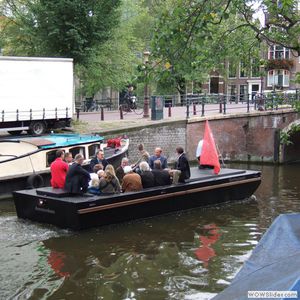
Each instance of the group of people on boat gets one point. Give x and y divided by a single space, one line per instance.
102 178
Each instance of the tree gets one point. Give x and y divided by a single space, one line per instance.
194 38
62 28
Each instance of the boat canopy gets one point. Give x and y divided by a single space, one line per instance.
274 264
61 140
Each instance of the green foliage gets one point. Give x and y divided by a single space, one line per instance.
285 136
62 27
195 39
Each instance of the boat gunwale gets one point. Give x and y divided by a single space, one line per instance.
164 196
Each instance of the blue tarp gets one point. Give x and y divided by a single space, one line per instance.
274 264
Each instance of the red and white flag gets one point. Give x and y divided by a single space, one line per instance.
209 154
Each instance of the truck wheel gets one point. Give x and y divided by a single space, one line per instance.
37 128
17 132
35 181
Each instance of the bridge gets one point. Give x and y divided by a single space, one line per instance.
241 134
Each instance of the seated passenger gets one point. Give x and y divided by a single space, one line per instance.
77 178
94 185
97 168
132 182
68 158
120 170
59 170
98 159
161 177
143 156
109 183
157 156
146 175
182 167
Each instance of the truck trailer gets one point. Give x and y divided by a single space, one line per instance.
36 94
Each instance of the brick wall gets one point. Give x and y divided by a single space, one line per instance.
252 137
248 137
165 135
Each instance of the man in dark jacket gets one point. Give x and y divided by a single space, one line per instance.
146 175
161 177
182 164
98 159
77 179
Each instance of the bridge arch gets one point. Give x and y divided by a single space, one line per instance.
290 152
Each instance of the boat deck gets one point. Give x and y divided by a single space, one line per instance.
197 175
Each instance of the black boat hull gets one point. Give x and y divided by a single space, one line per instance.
81 212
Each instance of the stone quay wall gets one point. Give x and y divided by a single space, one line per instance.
249 137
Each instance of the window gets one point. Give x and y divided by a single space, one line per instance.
232 92
77 150
243 70
255 69
279 78
50 157
278 52
93 149
243 92
232 68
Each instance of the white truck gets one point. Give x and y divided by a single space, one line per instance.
36 94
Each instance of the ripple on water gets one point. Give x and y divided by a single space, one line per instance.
24 268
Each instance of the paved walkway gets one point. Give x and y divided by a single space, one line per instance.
91 121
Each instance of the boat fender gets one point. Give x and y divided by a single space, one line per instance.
35 181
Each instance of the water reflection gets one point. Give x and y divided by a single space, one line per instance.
188 255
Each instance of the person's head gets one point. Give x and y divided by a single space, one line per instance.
127 169
97 167
68 157
141 147
100 154
108 175
130 88
110 168
124 162
79 158
144 166
157 152
100 173
95 182
157 164
179 150
60 154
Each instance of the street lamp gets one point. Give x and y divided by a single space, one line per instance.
146 88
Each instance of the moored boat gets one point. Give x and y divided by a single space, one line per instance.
272 270
25 161
55 206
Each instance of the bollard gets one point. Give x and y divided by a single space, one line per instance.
194 109
220 108
170 110
77 113
102 113
187 110
202 110
121 112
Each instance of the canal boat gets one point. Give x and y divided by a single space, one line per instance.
57 207
25 161
272 271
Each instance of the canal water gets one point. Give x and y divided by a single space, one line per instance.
186 255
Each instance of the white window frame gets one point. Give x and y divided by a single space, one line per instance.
272 52
271 81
